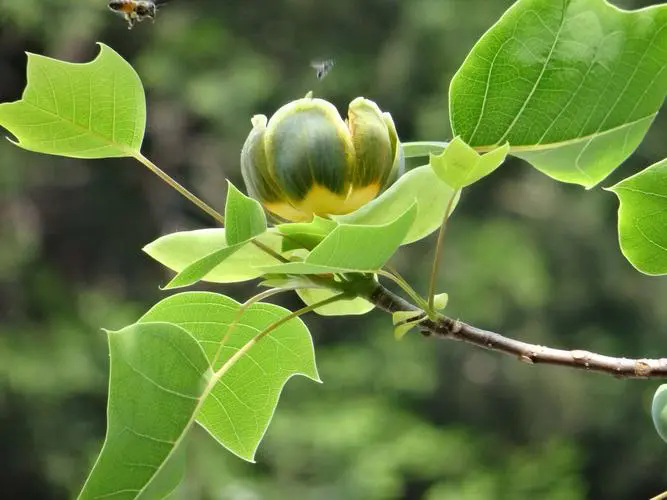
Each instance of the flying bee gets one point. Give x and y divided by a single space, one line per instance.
135 11
322 68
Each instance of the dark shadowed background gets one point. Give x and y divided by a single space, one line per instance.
416 419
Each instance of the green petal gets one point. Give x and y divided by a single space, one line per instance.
398 166
254 168
307 143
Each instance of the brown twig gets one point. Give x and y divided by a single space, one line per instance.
451 329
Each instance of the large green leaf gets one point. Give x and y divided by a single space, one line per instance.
353 248
91 110
157 370
306 234
179 250
420 185
642 218
572 85
659 411
344 307
241 404
244 217
198 270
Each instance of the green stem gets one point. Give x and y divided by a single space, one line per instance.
181 189
200 203
438 252
406 287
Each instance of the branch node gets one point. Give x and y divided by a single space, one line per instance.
526 358
643 368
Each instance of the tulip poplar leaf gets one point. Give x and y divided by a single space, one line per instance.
241 404
157 369
244 217
353 248
642 218
90 110
343 307
200 268
306 234
571 85
459 165
179 250
421 186
440 301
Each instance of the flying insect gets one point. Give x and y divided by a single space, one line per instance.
322 68
135 11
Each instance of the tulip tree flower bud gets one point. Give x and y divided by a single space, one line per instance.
306 160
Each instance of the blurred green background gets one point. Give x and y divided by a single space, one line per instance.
416 419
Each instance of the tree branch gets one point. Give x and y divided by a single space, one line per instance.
451 329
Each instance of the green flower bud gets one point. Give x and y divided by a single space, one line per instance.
307 161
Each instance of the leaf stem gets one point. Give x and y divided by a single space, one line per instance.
396 278
200 203
438 253
181 189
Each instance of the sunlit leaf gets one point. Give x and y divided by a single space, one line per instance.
179 250
353 248
642 218
91 110
157 369
572 85
420 185
659 411
345 307
459 165
244 217
241 405
306 234
197 270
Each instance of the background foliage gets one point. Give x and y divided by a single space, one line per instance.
417 419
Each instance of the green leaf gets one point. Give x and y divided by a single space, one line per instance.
91 110
659 411
459 165
306 234
200 268
244 217
572 85
353 248
422 148
419 185
440 301
179 250
157 369
241 405
642 218
404 321
345 307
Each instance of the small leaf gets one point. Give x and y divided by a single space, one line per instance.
179 250
345 307
572 85
91 110
353 248
642 218
440 301
404 321
659 411
419 185
459 165
244 217
306 234
200 268
157 369
241 405
422 148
